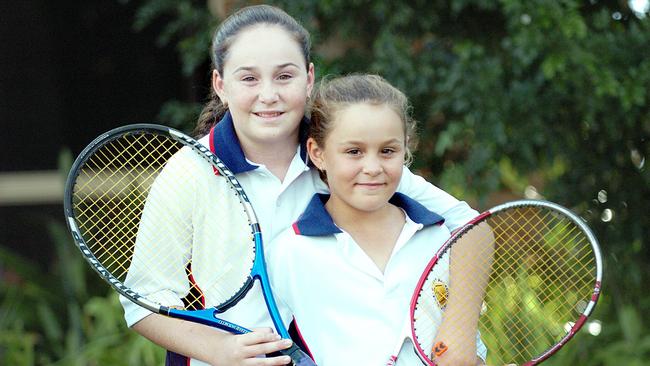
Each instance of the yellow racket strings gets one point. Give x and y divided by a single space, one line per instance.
540 271
159 221
542 275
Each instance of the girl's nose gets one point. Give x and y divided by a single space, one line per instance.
268 93
372 166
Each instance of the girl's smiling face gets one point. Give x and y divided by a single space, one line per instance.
265 84
363 156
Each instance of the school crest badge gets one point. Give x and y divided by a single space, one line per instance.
440 293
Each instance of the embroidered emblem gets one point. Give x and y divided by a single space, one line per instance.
440 293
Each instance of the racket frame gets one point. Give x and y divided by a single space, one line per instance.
482 217
205 316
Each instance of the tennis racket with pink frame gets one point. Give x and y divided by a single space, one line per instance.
514 285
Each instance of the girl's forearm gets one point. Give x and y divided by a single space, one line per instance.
186 338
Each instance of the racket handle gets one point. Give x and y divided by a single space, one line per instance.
298 357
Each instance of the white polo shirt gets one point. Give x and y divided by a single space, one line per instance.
278 203
347 310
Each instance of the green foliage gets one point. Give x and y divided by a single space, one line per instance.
175 113
64 314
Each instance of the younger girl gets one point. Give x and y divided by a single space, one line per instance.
352 260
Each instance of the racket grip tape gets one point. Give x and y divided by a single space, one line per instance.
298 357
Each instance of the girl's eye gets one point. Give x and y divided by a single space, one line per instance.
388 151
353 152
285 76
248 79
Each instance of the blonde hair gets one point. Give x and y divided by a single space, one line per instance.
333 94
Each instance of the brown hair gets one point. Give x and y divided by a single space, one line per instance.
332 95
224 37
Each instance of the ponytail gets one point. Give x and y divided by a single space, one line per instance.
211 113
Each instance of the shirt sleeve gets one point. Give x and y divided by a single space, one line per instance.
162 281
133 313
456 213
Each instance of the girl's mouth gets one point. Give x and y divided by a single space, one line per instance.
268 114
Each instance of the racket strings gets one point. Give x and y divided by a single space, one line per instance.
540 268
550 285
558 261
214 285
111 183
545 281
125 190
94 220
132 203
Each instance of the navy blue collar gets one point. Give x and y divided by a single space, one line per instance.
225 144
316 221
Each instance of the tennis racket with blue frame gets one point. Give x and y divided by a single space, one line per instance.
161 219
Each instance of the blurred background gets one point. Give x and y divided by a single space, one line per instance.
516 99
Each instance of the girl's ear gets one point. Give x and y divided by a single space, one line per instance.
310 79
315 153
217 86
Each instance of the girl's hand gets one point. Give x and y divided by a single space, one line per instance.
244 349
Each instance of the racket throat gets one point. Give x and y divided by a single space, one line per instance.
235 299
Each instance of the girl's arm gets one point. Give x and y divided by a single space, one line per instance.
458 330
468 278
211 345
